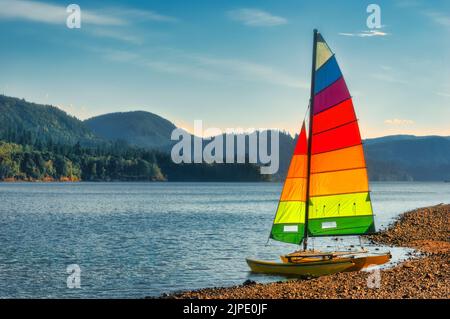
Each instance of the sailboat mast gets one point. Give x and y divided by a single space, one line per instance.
311 114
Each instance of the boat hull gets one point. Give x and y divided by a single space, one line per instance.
360 261
311 269
367 261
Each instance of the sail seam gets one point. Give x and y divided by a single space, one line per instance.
341 77
347 193
337 149
340 125
339 170
336 104
331 217
317 70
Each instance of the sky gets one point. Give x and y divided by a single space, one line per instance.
232 64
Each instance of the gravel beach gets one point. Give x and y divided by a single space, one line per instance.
424 276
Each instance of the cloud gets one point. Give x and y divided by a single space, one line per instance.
252 71
116 35
366 34
142 15
399 122
443 94
56 14
50 13
408 3
203 67
439 18
256 18
387 77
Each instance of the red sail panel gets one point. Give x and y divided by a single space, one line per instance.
331 96
340 114
337 138
301 148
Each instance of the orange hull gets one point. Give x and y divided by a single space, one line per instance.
367 261
359 262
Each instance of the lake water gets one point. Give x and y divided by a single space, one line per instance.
143 239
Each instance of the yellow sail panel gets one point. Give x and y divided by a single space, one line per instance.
340 182
290 213
341 159
356 204
323 52
298 166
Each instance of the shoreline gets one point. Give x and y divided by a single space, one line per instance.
427 275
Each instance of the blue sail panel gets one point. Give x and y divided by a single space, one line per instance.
327 75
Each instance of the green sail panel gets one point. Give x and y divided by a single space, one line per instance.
340 226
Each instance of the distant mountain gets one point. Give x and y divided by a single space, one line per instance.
43 122
138 128
408 157
399 158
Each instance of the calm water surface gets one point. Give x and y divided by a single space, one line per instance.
144 239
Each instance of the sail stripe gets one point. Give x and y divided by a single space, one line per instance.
327 75
338 138
323 52
338 126
344 158
334 116
294 189
297 168
354 204
288 212
341 169
355 225
332 95
348 181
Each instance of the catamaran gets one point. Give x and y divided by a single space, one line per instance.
326 190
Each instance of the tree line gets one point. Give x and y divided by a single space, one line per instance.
25 157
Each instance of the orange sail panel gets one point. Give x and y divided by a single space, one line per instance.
342 159
339 182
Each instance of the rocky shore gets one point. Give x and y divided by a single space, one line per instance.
424 276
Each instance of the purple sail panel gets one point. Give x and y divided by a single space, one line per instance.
331 96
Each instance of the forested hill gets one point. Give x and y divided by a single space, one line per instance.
40 122
43 143
138 128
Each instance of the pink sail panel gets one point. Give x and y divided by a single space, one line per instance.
331 96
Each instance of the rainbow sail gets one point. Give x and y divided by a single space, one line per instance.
330 172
